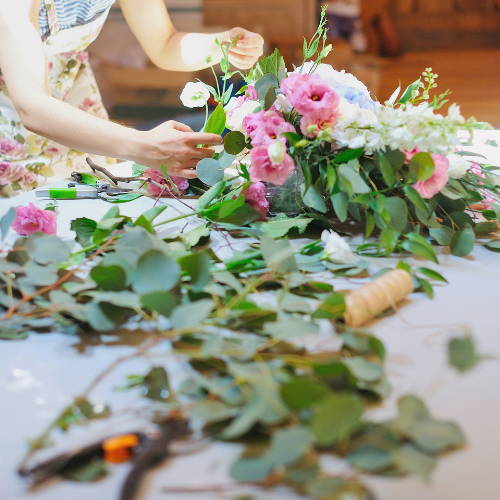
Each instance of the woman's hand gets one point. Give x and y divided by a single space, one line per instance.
248 49
175 146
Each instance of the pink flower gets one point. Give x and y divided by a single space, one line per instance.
87 104
10 147
319 120
160 187
31 220
438 180
265 127
10 172
255 195
310 94
30 179
263 169
251 93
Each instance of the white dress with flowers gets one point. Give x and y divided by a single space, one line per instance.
27 159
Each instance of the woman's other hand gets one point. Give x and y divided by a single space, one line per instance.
248 49
175 146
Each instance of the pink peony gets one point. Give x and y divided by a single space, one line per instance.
438 180
31 220
10 172
10 147
263 169
321 121
255 195
265 127
160 187
309 94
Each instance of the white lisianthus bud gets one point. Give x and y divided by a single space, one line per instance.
337 250
195 95
276 152
458 166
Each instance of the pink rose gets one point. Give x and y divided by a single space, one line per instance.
438 180
160 187
30 179
319 120
31 220
10 172
255 195
263 169
265 127
10 147
309 94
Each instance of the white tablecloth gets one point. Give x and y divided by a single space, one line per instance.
39 376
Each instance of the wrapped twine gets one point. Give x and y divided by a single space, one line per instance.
377 297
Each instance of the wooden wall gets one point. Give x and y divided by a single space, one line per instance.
432 24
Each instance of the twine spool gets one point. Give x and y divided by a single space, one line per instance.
377 297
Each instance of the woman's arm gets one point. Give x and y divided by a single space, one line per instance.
23 66
176 51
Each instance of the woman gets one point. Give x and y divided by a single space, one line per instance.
49 97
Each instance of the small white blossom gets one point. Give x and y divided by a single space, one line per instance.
195 95
337 250
458 166
276 152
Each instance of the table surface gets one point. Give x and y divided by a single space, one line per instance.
39 376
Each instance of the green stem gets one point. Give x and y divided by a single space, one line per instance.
179 217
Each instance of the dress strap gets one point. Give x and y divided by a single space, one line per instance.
50 7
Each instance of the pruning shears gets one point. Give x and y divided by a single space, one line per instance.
144 450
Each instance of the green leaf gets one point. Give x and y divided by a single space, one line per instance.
348 155
389 239
40 275
493 246
250 470
124 198
483 228
436 436
196 236
234 143
462 242
303 392
363 369
90 471
154 213
160 302
398 210
313 199
332 308
207 198
155 272
265 84
278 255
410 460
47 249
192 314
370 459
386 170
443 235
410 90
418 245
110 278
288 446
289 328
197 265
335 418
6 221
124 299
210 171
431 274
349 174
273 64
462 354
216 123
422 167
340 202
414 196
157 384
84 229
281 227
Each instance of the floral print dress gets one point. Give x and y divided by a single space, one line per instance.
27 159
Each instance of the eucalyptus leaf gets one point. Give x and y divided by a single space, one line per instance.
192 314
210 171
462 354
155 272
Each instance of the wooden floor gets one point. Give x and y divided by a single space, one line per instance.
472 75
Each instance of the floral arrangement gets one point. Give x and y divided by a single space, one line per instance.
313 141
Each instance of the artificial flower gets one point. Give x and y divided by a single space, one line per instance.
263 169
195 95
337 250
31 219
255 195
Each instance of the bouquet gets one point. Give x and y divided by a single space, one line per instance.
313 142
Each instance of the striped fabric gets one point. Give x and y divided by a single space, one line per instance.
71 13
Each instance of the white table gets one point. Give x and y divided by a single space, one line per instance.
39 376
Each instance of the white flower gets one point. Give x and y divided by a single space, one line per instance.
237 110
458 166
337 250
276 152
195 95
282 105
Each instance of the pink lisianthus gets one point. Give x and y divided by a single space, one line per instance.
255 195
438 180
310 94
10 172
10 147
265 127
263 169
312 124
160 187
32 219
